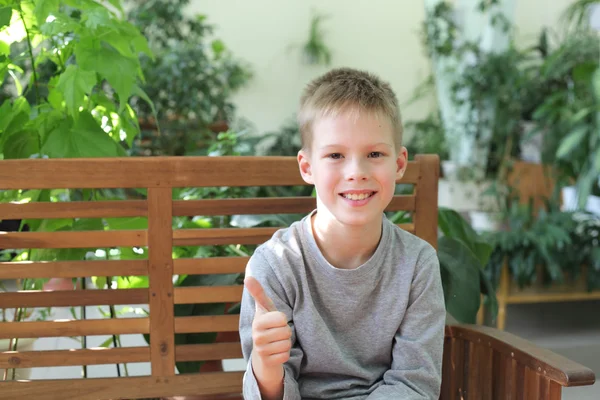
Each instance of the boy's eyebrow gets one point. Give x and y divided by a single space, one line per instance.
340 145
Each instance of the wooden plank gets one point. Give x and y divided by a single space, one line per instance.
74 209
160 249
280 205
426 213
213 265
447 370
214 351
544 390
68 328
219 236
554 366
145 172
474 378
532 384
555 391
503 377
67 298
520 382
61 358
208 323
72 239
206 237
486 359
123 388
552 297
208 294
72 269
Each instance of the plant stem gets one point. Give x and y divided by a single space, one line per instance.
84 338
30 48
113 315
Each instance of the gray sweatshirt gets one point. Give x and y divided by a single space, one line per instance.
374 332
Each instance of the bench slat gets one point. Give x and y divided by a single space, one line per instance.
74 209
124 388
133 172
277 205
208 294
72 239
120 355
74 357
208 323
213 265
62 328
72 269
67 298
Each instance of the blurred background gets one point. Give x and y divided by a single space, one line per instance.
506 92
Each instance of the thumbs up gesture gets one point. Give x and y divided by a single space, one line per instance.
271 335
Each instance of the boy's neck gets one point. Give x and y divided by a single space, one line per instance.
345 247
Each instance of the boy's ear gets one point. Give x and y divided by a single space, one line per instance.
401 162
305 167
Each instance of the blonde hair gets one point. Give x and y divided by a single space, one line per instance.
347 90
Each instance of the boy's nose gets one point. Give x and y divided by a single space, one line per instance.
355 171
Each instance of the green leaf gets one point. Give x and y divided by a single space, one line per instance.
4 48
138 91
596 83
461 279
119 71
5 16
96 17
571 141
21 145
44 8
127 223
84 138
116 4
487 288
74 84
107 342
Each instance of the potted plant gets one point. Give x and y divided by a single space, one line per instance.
190 80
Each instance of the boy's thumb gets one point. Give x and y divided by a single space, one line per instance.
257 292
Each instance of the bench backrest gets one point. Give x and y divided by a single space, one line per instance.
161 176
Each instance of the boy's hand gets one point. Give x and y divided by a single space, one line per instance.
271 337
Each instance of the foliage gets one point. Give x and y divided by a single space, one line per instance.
560 242
568 116
67 71
315 51
463 255
426 137
191 79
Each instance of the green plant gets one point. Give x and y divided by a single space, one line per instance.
67 72
427 137
72 71
550 238
191 78
315 51
463 254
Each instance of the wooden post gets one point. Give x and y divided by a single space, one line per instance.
426 210
160 266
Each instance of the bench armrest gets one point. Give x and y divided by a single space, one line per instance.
553 366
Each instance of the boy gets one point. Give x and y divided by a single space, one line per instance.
344 304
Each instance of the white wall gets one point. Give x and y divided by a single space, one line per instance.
379 35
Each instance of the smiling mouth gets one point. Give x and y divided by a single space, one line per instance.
357 196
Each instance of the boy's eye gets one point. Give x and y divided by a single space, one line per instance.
375 154
335 156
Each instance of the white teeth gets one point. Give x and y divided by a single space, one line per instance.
355 196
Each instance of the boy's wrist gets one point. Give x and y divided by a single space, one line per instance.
269 379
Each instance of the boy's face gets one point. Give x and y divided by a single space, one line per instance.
354 164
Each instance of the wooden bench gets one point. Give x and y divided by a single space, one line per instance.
479 362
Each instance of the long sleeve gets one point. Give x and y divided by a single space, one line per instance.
417 353
259 268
